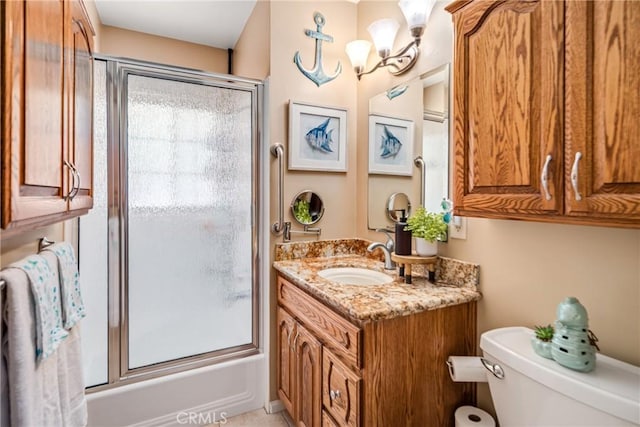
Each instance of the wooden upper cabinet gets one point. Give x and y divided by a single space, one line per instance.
602 136
80 83
508 107
33 110
46 112
546 110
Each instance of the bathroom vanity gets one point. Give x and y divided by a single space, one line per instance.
370 355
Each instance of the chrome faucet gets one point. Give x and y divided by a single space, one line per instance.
386 248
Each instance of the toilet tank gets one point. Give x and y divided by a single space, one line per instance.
539 392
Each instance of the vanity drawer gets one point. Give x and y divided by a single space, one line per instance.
337 333
340 391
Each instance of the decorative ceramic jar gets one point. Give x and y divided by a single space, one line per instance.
571 345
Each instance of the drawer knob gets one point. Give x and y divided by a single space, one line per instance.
334 394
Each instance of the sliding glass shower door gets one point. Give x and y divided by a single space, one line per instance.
189 182
183 218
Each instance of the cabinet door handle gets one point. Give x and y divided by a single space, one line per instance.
574 176
74 175
334 394
76 181
544 177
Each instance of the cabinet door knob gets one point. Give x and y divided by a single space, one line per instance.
544 177
574 176
334 394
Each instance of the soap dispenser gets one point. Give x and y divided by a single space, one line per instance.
403 237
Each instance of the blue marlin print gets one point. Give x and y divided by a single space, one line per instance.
319 139
390 144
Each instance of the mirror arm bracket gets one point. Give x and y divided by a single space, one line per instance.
286 235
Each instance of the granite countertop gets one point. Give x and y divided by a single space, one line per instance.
456 281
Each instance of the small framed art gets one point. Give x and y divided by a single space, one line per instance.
390 146
317 138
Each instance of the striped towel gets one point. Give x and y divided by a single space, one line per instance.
72 306
46 298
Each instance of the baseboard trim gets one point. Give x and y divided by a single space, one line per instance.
275 406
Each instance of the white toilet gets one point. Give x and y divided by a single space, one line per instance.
535 391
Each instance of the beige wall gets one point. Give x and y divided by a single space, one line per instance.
132 44
253 49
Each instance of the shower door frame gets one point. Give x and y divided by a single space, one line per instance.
117 71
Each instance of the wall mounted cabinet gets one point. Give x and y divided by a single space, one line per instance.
332 371
46 112
546 111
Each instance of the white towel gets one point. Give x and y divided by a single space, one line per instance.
46 393
72 306
45 288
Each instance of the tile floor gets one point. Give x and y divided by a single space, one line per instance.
257 418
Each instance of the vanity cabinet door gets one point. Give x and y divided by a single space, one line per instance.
508 78
309 378
602 110
340 391
286 360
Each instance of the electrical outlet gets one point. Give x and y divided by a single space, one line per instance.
458 228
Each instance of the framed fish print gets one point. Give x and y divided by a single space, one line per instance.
390 146
317 138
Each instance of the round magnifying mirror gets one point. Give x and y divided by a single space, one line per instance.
395 203
307 207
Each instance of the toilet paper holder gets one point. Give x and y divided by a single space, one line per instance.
494 368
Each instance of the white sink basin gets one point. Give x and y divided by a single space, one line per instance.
355 276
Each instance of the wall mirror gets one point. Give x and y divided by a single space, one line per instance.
423 100
307 207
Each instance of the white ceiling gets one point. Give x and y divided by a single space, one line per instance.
216 23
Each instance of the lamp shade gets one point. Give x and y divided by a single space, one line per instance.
416 12
383 32
358 52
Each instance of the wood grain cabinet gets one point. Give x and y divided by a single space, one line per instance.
332 371
546 110
46 112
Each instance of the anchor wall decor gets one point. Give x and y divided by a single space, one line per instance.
317 74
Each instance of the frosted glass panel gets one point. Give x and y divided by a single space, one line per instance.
189 172
93 246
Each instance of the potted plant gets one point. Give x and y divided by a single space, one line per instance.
427 228
541 342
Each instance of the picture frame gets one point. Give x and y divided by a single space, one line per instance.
317 138
390 145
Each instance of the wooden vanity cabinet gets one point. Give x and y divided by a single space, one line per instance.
46 112
378 373
545 109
